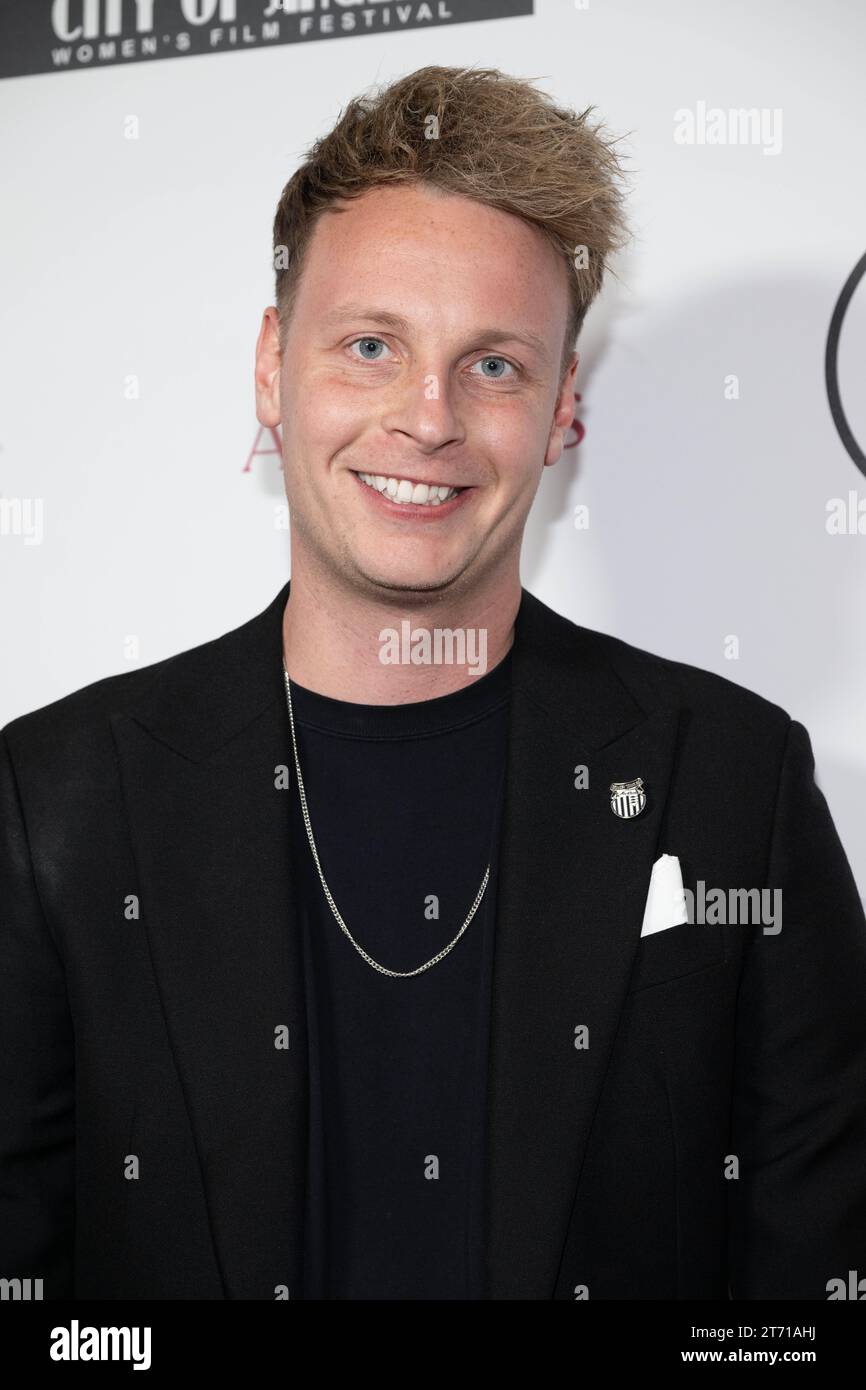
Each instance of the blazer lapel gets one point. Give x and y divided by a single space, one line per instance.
572 887
210 834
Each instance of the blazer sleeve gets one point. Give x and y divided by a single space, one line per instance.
797 1211
37 1090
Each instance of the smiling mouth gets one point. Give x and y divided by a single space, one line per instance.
405 492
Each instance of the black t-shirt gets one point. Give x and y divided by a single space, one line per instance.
405 804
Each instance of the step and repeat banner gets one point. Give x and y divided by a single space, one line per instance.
711 502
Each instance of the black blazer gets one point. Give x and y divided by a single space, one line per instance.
150 950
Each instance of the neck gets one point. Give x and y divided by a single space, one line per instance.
332 640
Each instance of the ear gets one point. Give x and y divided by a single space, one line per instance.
267 371
564 414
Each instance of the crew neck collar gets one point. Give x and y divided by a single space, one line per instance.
482 695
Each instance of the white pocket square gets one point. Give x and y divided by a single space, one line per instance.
665 903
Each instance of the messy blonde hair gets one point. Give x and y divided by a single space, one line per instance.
497 140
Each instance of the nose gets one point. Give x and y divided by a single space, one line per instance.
422 408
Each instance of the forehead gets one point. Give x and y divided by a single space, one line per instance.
434 254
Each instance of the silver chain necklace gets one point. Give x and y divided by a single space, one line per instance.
394 974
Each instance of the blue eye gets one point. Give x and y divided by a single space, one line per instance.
372 343
486 361
369 342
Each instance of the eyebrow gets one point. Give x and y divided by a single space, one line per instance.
388 320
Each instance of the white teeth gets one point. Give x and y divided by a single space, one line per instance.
400 490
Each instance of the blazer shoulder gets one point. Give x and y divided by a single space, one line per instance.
662 682
89 703
78 723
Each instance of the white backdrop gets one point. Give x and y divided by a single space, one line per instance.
150 259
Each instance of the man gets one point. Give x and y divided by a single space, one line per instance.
364 952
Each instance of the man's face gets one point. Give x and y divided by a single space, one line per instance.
424 347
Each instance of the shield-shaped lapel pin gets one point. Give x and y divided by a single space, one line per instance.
627 799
